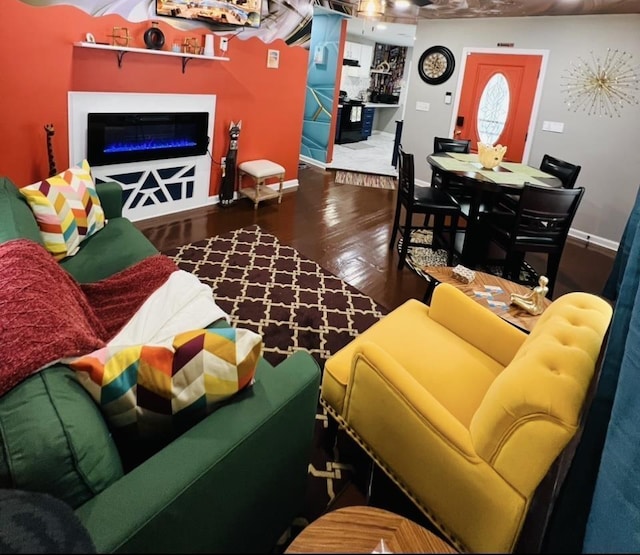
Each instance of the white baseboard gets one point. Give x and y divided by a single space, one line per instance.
594 239
588 238
313 162
575 233
211 201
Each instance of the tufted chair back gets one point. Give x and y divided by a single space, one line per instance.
536 401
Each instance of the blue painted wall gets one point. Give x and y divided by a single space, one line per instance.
321 84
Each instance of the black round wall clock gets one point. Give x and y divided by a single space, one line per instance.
436 65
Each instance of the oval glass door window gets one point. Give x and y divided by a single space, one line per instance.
493 109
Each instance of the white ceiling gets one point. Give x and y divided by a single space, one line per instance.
400 34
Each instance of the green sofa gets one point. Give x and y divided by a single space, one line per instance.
232 483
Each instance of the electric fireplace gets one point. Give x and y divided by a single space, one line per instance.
116 138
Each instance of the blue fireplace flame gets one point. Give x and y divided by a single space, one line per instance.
148 145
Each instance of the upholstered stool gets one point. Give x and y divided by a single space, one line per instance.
260 171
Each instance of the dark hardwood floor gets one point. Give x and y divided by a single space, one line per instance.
346 229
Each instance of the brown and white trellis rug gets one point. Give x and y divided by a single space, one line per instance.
294 304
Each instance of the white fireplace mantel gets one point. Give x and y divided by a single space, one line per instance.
155 187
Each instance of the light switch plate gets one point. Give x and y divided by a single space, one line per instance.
553 126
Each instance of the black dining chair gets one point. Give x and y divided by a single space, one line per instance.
427 201
539 223
564 171
444 144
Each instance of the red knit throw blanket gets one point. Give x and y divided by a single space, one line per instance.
45 315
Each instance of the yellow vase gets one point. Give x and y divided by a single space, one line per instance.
490 156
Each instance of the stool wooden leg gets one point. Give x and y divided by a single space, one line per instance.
280 188
257 199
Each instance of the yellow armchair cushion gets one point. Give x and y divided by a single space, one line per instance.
454 371
474 324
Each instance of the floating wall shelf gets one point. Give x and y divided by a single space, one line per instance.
122 50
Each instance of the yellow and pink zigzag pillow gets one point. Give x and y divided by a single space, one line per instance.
67 209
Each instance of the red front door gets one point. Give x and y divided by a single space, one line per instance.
520 72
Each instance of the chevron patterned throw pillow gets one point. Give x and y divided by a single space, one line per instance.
156 390
67 209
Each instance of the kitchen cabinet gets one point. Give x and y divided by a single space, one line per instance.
368 114
366 57
363 54
352 50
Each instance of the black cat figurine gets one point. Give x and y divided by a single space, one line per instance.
228 186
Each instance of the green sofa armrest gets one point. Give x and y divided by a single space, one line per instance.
232 483
110 194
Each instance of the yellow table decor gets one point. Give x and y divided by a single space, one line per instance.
490 156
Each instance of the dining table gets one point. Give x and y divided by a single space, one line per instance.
482 187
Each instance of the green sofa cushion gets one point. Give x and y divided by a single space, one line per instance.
53 439
114 248
16 217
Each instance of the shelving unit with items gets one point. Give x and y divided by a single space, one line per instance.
387 69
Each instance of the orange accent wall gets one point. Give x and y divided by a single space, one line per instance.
39 65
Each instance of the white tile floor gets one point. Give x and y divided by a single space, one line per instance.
370 156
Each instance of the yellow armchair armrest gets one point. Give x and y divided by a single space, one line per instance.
377 380
474 323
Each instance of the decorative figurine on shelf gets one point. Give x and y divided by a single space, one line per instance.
52 160
228 186
154 37
120 36
533 302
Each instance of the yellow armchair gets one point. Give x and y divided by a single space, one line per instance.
465 412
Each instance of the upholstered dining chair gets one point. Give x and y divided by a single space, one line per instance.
427 201
564 171
540 222
467 414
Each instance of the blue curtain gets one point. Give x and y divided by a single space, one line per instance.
613 525
614 418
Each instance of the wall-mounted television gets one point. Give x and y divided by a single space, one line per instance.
242 13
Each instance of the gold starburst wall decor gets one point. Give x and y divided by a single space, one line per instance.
602 86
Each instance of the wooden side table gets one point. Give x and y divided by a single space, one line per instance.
486 283
359 529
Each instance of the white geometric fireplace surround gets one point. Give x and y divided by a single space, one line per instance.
153 187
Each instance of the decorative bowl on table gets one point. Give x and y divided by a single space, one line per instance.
490 156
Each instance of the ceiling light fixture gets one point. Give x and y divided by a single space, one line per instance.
402 4
602 86
371 8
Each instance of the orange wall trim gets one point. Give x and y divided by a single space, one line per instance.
39 65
